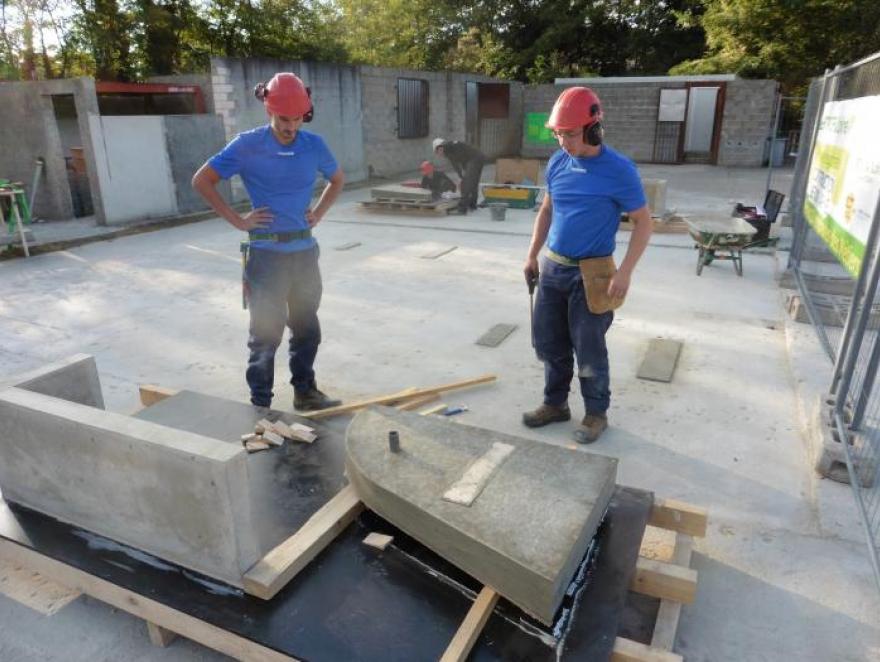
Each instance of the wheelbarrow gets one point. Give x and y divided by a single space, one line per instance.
721 239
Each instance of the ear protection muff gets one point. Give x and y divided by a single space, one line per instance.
309 116
595 132
261 92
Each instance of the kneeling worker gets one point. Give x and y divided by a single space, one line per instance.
589 186
435 181
278 164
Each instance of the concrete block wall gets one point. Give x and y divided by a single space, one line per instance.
389 156
747 123
630 111
190 140
29 130
336 94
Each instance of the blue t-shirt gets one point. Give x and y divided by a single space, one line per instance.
588 196
280 177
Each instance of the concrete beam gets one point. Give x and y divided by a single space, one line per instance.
180 496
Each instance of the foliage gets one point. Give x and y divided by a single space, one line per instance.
788 40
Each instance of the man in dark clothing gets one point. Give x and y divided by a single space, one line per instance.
436 182
468 163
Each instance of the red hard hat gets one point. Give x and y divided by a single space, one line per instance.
427 167
287 95
576 107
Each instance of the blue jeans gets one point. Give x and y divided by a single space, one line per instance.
282 289
564 325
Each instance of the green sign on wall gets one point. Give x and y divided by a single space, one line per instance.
536 132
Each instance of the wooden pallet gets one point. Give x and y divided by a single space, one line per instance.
411 207
660 226
674 583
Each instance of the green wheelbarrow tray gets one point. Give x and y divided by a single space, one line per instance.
720 239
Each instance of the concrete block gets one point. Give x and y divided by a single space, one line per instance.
74 379
180 496
655 192
529 512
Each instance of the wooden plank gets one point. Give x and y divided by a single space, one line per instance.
665 581
378 540
627 650
159 636
151 394
438 253
679 516
271 573
471 626
434 410
33 590
388 399
660 360
410 405
669 613
192 628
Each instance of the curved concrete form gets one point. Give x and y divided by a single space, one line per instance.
516 514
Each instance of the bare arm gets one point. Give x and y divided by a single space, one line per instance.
638 241
539 236
328 197
205 184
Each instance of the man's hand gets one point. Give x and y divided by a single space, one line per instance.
313 217
530 270
619 284
256 219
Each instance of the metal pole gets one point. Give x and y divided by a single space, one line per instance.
37 172
846 359
840 424
801 227
773 142
869 263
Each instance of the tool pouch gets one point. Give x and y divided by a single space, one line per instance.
596 273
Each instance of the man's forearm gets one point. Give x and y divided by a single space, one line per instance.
205 187
539 233
328 196
639 237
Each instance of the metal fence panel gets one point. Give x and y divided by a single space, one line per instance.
844 311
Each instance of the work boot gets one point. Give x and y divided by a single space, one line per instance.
546 414
591 428
313 399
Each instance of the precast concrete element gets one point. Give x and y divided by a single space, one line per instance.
74 379
180 496
516 514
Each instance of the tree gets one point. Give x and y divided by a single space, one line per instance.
784 40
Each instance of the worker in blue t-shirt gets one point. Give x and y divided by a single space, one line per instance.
278 164
589 186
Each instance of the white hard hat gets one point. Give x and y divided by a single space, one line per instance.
438 142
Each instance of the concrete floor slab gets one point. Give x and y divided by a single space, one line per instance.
725 434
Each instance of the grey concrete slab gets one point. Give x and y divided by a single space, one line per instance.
516 514
400 192
660 360
180 496
496 335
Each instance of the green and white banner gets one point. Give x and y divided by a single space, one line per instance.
844 178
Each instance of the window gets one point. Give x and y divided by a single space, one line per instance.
412 108
494 101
